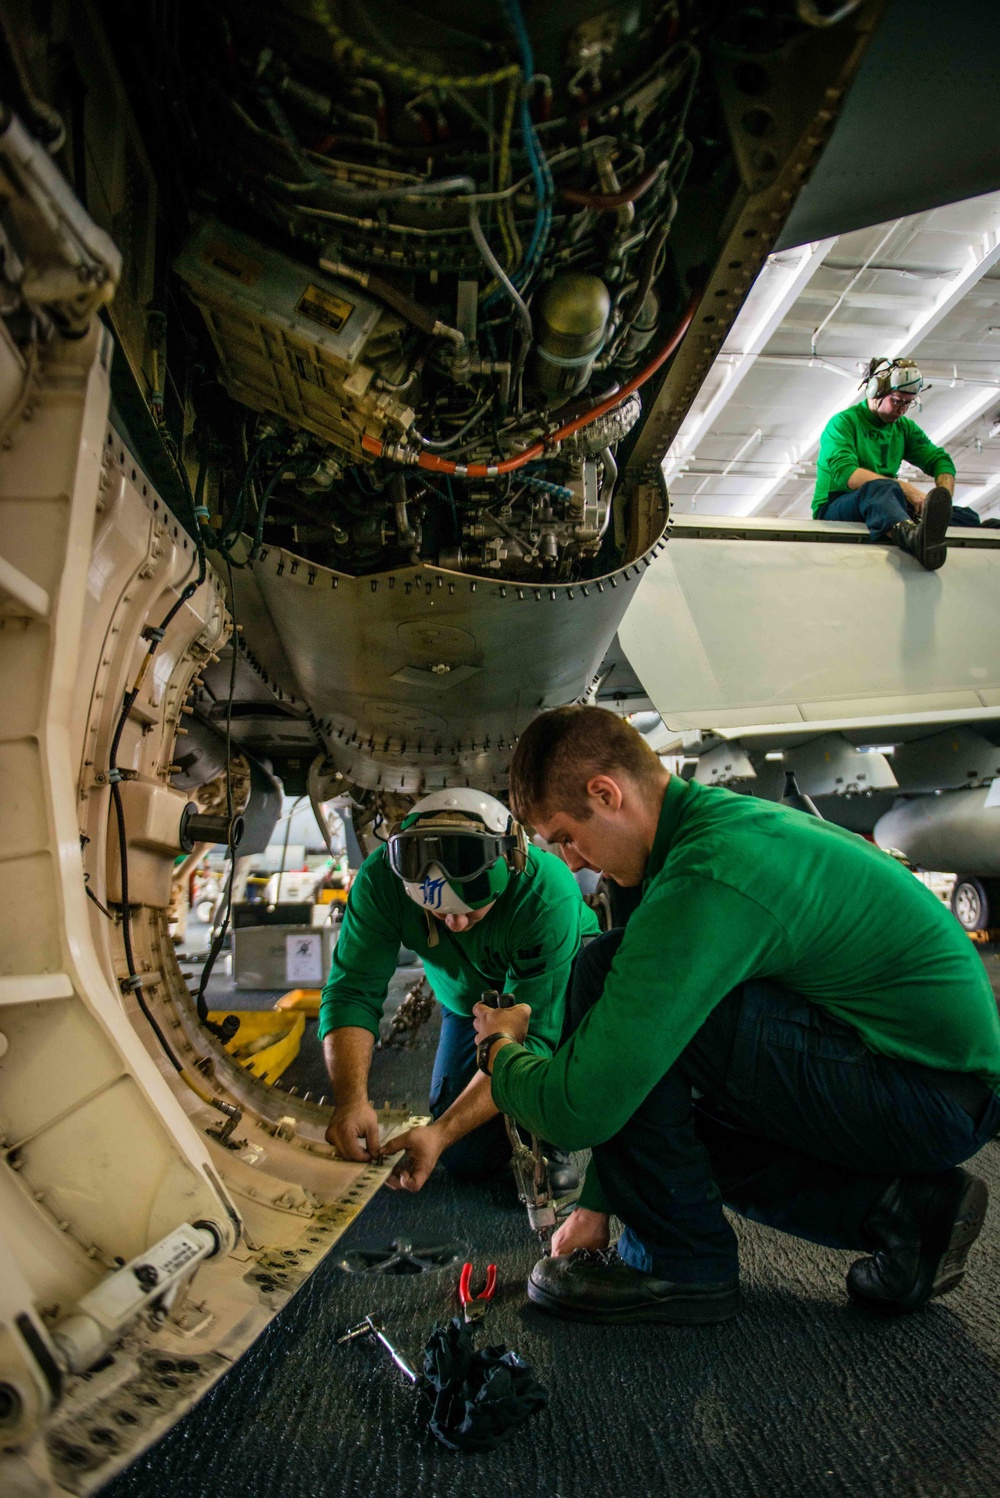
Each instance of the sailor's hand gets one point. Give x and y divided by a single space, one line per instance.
423 1148
353 1131
582 1229
913 495
512 1022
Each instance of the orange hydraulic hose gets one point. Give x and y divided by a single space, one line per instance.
436 464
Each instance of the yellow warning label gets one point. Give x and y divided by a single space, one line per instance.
323 307
224 257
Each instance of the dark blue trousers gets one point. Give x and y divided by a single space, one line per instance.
880 504
794 1122
485 1150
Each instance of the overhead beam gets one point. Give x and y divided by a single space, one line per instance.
807 79
775 291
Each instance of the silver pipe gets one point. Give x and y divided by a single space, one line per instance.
511 291
611 479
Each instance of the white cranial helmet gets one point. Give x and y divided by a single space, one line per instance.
456 851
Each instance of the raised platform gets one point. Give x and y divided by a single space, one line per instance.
761 622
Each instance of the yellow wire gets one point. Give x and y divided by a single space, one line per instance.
347 50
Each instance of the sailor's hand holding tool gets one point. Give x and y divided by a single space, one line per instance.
353 1131
423 1148
512 1021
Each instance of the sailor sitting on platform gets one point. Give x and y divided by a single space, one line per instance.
859 457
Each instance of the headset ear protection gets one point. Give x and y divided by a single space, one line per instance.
880 380
877 385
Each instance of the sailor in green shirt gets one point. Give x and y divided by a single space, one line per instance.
790 1024
458 884
860 453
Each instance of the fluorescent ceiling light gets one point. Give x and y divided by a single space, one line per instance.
777 287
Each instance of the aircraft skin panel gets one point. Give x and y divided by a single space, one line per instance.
426 673
106 1147
724 633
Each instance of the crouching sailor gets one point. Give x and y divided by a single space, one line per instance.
790 1025
458 884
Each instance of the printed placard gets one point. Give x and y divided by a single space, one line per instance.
304 960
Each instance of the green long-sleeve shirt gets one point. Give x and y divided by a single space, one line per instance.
524 945
739 888
856 438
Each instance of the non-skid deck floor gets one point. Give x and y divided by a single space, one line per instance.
798 1395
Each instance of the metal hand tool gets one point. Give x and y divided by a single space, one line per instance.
531 1171
474 1308
374 1326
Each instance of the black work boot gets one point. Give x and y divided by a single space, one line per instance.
925 538
924 1227
564 1178
590 1286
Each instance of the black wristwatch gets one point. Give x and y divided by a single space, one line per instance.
483 1049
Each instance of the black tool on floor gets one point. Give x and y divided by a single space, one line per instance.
402 1257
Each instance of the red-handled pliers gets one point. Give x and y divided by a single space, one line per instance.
474 1308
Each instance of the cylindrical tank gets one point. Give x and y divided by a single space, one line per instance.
571 315
954 833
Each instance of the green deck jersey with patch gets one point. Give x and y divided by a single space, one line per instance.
739 888
857 438
525 945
